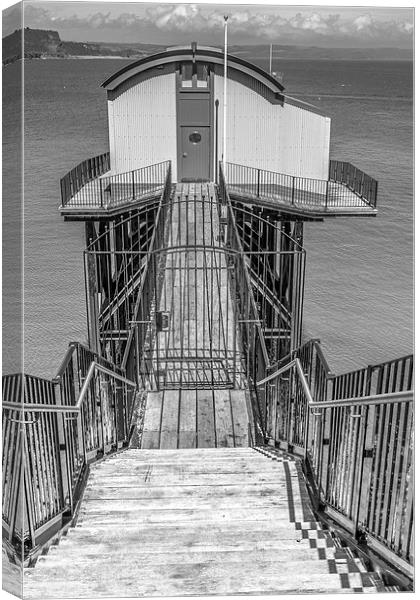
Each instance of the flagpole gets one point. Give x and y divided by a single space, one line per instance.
225 97
271 58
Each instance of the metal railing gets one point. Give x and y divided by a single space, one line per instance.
274 263
120 280
85 172
355 432
52 430
346 188
127 264
392 376
355 180
89 188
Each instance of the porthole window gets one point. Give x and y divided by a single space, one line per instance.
195 137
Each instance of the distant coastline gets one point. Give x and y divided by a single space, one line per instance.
46 44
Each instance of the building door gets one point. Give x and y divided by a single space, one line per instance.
194 122
195 153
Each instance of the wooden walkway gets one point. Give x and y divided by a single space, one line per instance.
222 521
195 419
199 345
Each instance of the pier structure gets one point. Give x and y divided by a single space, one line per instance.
198 445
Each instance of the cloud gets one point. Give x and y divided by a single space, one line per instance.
253 24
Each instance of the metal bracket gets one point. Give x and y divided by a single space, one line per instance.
23 422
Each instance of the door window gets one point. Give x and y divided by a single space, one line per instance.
195 137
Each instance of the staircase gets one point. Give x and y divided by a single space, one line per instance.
205 521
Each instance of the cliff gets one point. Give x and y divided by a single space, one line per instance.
39 43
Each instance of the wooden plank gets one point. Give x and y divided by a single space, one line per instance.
242 492
188 419
170 419
240 417
152 417
152 420
205 419
150 440
223 417
199 580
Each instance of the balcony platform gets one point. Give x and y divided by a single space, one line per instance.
309 205
89 203
92 193
346 192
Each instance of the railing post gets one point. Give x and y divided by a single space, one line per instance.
305 451
258 182
363 454
101 193
326 195
62 445
363 481
293 189
133 186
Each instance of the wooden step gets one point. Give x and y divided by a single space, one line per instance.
186 551
196 522
239 491
176 580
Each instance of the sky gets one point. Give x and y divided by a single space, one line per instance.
362 26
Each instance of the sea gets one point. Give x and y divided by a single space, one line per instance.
359 271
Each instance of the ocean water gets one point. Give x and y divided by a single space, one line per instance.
359 275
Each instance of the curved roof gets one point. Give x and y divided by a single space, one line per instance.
200 53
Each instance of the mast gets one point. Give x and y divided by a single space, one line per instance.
225 96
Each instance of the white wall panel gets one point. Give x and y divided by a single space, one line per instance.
142 125
286 139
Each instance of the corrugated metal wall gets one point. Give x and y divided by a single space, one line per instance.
142 125
286 139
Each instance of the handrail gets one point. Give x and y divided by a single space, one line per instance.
346 187
357 446
373 400
277 373
32 407
50 438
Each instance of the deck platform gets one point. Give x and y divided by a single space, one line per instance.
103 198
308 204
195 419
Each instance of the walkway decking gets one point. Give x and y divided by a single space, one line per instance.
199 345
195 419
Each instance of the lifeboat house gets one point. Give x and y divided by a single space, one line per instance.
198 445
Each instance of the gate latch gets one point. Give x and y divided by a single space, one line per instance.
162 321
